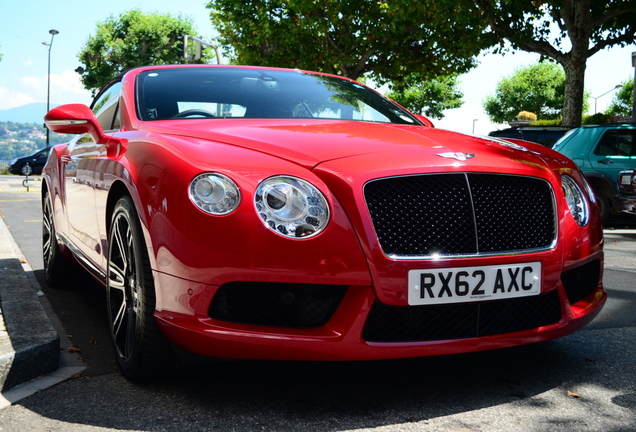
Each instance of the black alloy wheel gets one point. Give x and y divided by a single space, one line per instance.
56 267
140 348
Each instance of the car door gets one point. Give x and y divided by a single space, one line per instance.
84 212
80 199
614 152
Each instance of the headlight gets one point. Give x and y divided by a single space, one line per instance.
291 207
214 193
588 189
576 200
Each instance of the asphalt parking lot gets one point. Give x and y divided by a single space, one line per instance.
582 382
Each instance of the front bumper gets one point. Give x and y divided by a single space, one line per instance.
626 203
361 328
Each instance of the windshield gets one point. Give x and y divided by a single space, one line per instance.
179 93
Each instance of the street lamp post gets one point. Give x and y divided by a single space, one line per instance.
611 90
53 32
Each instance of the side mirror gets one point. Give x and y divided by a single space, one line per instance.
79 119
72 119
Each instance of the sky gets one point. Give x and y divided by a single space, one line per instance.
23 68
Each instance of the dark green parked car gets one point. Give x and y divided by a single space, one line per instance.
602 152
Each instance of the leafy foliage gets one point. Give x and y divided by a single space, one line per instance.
553 122
543 27
428 97
623 100
598 118
387 40
130 40
536 88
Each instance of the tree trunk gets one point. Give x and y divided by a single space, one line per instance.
578 21
574 90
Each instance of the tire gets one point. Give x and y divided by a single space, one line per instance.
604 205
141 349
56 267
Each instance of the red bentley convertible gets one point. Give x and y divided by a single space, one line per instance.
262 213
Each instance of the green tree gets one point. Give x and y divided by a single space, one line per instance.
549 27
130 40
428 97
623 100
385 40
536 88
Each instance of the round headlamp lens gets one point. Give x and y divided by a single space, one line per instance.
576 200
214 193
291 207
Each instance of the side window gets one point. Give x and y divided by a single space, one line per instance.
617 142
106 108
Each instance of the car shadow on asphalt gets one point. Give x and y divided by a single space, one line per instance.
283 395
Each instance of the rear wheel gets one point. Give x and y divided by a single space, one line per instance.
141 349
56 266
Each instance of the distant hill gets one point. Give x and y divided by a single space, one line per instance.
30 113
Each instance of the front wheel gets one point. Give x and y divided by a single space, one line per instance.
604 205
140 348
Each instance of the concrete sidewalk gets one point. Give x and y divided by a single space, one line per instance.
29 345
29 331
620 251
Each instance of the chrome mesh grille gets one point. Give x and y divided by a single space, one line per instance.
461 214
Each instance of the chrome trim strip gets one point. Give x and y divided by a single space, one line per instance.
477 255
80 257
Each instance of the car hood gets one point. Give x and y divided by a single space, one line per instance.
314 142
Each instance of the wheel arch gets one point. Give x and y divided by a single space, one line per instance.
44 189
117 191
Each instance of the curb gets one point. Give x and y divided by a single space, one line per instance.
29 344
620 255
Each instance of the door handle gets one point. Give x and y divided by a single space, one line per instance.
606 161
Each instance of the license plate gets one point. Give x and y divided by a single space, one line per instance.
470 284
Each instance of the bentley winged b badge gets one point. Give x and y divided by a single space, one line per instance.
457 155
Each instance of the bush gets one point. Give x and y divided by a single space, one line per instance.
526 115
555 122
598 118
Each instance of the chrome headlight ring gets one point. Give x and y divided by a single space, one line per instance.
588 188
214 193
291 207
575 198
